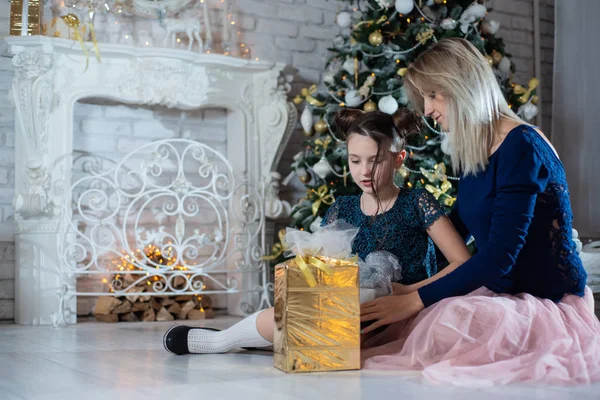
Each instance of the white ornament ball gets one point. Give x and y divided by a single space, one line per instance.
388 104
344 19
306 120
328 77
353 98
348 65
448 24
528 111
322 168
445 145
476 10
404 6
504 65
490 27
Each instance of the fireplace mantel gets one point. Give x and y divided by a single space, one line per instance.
51 76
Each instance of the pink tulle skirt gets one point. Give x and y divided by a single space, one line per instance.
486 339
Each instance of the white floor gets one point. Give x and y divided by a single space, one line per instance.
127 361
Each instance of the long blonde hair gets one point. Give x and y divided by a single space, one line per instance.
475 104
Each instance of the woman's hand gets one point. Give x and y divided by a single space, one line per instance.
389 309
399 289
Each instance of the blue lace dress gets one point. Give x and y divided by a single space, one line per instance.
402 230
519 213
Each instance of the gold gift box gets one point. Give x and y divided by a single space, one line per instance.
317 328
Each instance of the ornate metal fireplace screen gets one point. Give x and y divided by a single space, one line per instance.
180 198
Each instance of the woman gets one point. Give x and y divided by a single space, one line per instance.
519 309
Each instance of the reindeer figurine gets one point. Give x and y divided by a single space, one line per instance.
189 25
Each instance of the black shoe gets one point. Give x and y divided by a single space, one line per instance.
176 339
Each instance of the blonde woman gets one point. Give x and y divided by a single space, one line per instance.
518 310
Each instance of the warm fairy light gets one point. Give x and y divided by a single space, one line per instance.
408 20
104 280
178 40
342 104
232 22
256 59
156 278
242 45
408 184
151 284
423 181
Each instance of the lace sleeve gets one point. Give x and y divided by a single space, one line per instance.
332 214
429 208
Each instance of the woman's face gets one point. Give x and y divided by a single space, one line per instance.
435 107
362 151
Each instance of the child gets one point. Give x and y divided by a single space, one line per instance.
402 222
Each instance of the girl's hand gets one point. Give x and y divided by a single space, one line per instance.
389 309
399 289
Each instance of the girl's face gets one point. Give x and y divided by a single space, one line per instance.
361 158
435 107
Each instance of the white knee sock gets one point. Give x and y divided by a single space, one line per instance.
242 334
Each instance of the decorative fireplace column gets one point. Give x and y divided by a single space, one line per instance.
50 77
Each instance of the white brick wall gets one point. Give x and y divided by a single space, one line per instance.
296 32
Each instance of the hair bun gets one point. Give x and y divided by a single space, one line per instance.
407 122
344 119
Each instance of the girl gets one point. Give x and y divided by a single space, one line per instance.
519 309
405 223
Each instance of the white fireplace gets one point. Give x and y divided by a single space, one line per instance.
51 77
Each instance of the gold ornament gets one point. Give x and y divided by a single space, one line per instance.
370 106
26 17
424 36
496 56
321 127
376 38
309 133
305 179
490 60
535 99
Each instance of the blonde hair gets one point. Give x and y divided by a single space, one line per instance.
475 104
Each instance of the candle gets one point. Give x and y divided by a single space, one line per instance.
225 22
207 24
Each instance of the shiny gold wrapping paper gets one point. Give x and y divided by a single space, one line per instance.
318 328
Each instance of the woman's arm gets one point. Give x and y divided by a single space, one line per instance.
520 176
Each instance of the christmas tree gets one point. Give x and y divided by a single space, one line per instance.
380 40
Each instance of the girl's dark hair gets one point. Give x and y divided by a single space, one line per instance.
388 131
383 128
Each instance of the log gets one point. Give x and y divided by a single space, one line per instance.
174 308
178 281
135 298
145 298
107 317
195 314
149 315
184 297
185 309
123 308
155 303
129 317
167 302
105 305
164 315
140 306
203 301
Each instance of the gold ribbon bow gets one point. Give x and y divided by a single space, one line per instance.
438 174
323 197
439 191
72 21
525 93
278 248
306 95
379 21
304 262
324 143
424 36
